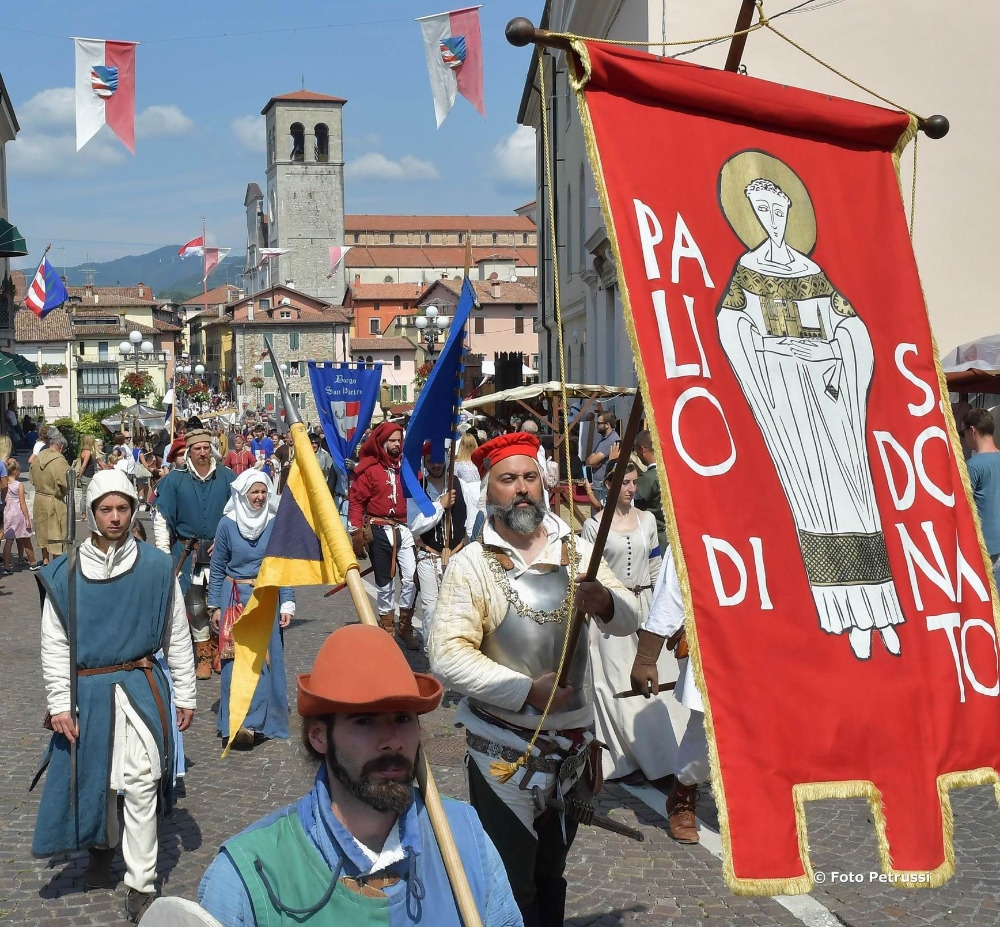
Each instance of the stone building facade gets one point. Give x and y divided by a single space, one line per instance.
303 206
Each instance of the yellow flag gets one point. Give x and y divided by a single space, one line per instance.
308 547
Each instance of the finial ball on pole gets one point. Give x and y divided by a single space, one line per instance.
935 126
520 32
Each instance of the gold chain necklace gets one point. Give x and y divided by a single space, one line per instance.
537 615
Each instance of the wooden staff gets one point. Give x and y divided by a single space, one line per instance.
432 800
627 441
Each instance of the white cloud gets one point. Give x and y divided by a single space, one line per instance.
52 108
375 166
162 120
249 131
514 159
46 143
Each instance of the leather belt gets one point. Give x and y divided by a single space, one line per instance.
146 665
573 733
565 768
242 582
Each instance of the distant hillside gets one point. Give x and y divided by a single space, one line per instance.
169 275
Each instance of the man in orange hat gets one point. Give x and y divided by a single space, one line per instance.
497 637
359 848
376 500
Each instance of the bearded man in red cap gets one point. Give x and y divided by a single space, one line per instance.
359 848
497 637
376 502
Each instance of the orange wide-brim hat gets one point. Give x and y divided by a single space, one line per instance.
361 669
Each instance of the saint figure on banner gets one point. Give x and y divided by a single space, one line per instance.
804 362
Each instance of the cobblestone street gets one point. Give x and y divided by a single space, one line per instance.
613 881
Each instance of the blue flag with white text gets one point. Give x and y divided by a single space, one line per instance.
435 415
345 396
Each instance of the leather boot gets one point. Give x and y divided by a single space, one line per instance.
409 637
387 623
680 813
216 660
203 659
99 866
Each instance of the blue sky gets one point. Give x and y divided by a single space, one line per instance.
200 138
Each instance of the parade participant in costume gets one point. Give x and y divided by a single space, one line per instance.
128 606
468 479
189 504
240 458
497 638
240 543
48 476
377 504
666 623
359 848
639 736
430 532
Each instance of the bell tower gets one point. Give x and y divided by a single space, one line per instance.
304 202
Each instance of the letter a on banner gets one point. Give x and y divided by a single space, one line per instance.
770 292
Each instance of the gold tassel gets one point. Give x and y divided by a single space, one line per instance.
503 771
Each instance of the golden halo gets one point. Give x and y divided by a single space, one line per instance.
747 166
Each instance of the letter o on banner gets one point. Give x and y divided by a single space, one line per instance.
993 690
699 392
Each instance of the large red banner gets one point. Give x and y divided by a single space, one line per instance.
840 602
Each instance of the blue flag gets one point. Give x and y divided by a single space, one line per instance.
435 416
345 395
46 291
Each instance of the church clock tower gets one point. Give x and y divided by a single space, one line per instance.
304 202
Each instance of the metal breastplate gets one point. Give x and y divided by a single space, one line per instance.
530 637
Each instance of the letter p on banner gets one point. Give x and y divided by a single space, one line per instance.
792 290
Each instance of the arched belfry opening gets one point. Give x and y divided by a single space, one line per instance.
298 136
321 147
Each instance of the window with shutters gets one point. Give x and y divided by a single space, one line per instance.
375 326
53 399
479 325
293 341
519 325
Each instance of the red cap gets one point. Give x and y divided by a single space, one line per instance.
518 444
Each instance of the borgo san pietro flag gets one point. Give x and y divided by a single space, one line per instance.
105 90
839 601
454 50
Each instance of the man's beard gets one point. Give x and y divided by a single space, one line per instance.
384 797
519 519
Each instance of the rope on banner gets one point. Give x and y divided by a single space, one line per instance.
501 769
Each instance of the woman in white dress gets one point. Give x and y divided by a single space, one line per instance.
641 735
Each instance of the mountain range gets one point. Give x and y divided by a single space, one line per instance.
169 275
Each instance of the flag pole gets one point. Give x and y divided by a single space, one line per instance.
204 264
432 800
456 406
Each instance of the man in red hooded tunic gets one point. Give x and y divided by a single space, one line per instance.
376 499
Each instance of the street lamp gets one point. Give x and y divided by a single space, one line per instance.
259 370
134 347
429 324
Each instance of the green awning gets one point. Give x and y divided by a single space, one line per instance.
17 372
11 241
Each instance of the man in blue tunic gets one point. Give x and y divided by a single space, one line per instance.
128 607
189 504
359 848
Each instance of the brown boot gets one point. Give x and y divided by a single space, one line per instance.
387 623
409 637
203 659
216 660
680 812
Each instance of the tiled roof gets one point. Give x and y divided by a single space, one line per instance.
524 291
165 326
385 290
218 294
432 256
370 223
302 96
85 331
54 327
382 344
112 295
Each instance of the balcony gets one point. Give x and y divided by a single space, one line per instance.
146 360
